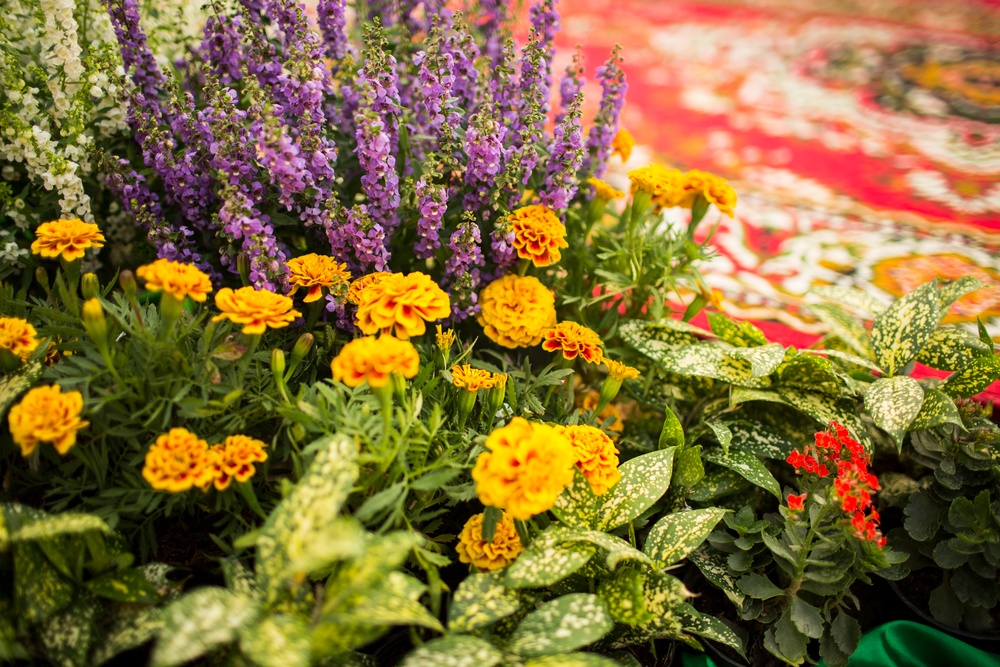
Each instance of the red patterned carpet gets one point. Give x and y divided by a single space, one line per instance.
863 138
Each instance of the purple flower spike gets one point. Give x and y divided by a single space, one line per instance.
606 123
565 160
432 204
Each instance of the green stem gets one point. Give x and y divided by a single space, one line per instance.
252 343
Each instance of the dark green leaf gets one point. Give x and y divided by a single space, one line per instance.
923 517
806 617
789 639
747 466
562 625
945 605
758 586
901 331
672 434
678 534
846 632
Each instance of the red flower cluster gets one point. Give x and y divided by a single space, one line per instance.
853 486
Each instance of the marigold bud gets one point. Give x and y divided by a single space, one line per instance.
42 276
89 285
278 361
243 267
94 321
126 280
302 347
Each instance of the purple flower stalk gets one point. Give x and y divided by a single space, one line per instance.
494 14
606 123
136 54
504 88
464 52
462 268
564 162
545 21
570 85
364 239
332 17
484 147
431 203
222 47
436 77
241 221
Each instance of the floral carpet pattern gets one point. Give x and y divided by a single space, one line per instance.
866 151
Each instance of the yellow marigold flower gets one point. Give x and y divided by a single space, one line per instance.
255 309
18 337
471 379
315 272
619 371
714 188
45 414
234 459
603 190
516 310
374 360
178 461
359 285
575 340
68 239
500 380
622 144
665 186
501 552
402 303
589 404
445 339
538 234
526 468
176 279
596 456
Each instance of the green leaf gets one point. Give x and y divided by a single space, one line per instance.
280 640
893 404
948 558
810 373
68 635
791 642
985 338
124 586
199 622
576 505
945 605
949 293
562 625
711 361
849 296
644 480
14 384
48 526
39 590
657 340
454 651
542 566
806 617
716 484
624 597
710 627
572 660
758 586
738 334
938 408
676 535
672 433
722 434
844 327
974 378
615 547
904 328
712 564
764 441
951 348
305 516
763 360
923 516
846 632
688 468
481 600
129 629
747 466
740 395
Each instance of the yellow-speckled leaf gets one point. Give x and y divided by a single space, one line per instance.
576 505
67 636
672 433
846 328
763 360
709 627
573 660
717 483
764 441
624 597
893 404
712 564
688 469
614 548
739 334
847 296
747 466
678 534
712 361
279 640
547 562
951 348
199 622
481 600
938 408
13 384
39 590
949 293
644 480
974 378
904 328
562 625
455 651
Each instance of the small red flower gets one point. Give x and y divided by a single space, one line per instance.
796 502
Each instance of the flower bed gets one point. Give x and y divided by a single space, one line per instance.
392 353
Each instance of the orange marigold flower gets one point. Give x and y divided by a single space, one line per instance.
178 461
374 360
315 272
611 410
538 234
402 303
622 144
500 380
471 379
501 552
619 371
18 337
515 311
255 309
526 468
46 414
665 186
445 339
234 459
359 285
596 456
713 188
603 190
176 279
575 340
68 239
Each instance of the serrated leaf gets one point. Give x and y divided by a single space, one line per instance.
676 535
124 586
974 378
758 586
644 480
199 622
893 404
546 564
305 515
480 600
763 360
849 296
280 640
747 466
562 625
844 327
624 597
806 618
791 642
948 558
938 408
672 433
688 468
454 651
945 605
904 328
846 631
951 348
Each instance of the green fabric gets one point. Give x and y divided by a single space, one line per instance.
899 644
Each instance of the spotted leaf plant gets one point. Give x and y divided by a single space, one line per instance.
322 585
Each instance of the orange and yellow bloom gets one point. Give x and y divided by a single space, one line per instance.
471 379
574 340
374 360
18 337
489 556
256 310
526 468
402 304
176 279
178 461
538 234
359 285
234 458
596 456
622 144
605 191
67 239
46 414
315 273
516 311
